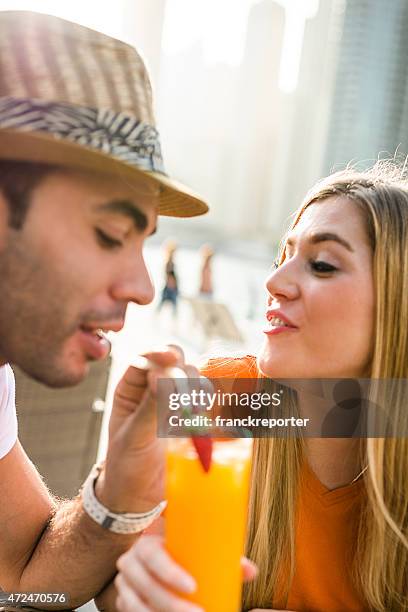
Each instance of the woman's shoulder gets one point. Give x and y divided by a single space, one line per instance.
231 367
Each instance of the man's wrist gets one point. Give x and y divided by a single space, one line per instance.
118 495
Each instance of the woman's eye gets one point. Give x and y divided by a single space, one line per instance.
322 267
106 241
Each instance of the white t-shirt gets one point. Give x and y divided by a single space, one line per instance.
8 416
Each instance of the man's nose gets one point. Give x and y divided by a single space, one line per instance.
134 284
282 282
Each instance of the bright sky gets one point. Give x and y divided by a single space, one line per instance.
221 27
219 24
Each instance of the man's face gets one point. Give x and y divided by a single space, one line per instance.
72 269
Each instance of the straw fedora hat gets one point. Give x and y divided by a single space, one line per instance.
75 97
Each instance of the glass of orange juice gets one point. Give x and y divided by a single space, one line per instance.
206 518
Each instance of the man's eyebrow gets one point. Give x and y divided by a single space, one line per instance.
128 209
317 237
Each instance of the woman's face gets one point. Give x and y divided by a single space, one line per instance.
324 290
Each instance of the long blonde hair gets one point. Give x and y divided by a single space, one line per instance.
380 566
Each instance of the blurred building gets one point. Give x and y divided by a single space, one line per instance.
195 102
142 26
304 119
219 125
255 120
253 150
369 114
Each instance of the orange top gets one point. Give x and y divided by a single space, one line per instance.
325 530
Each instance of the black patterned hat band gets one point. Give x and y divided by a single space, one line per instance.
115 134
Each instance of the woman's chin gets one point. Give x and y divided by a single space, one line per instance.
277 365
272 366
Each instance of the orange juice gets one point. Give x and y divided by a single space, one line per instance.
206 518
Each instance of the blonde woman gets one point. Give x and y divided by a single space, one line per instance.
328 517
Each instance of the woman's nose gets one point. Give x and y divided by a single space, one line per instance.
281 283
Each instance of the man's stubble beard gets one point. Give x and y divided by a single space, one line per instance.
33 326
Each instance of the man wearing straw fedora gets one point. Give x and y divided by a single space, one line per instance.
81 185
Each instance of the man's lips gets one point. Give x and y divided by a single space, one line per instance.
94 344
93 340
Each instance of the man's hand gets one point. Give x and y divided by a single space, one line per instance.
132 480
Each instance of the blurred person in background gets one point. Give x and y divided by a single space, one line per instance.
81 186
170 290
206 289
328 517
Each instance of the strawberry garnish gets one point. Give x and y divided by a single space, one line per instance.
203 446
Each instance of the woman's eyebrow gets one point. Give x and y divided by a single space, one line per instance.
316 237
127 209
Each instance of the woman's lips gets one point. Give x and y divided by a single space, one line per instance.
272 331
278 323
